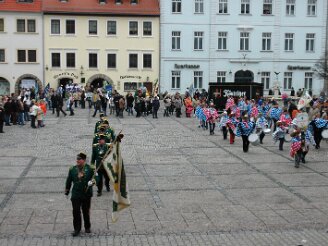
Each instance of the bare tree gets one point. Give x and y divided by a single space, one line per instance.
321 69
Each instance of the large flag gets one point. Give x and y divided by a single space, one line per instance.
46 90
155 87
113 164
191 89
304 101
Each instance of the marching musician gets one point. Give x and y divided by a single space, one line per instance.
223 124
279 134
212 116
98 152
231 123
298 148
99 122
244 129
102 131
81 176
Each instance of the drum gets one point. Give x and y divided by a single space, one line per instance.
254 139
288 138
324 134
266 131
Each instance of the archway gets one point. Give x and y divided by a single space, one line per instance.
4 87
244 76
29 81
99 81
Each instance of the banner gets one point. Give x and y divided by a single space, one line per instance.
113 164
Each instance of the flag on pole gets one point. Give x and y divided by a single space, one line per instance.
113 164
191 89
46 90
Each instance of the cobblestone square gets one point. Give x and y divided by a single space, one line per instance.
186 187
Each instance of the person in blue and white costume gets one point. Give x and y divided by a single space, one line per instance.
274 114
244 129
261 124
223 124
318 125
279 134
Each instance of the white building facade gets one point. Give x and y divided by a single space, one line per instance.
21 51
265 41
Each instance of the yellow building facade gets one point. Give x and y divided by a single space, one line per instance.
95 51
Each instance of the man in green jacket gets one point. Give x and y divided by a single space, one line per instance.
81 175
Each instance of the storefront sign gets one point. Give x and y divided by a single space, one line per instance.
179 66
298 68
130 77
66 74
227 93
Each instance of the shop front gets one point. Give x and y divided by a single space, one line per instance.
4 87
28 81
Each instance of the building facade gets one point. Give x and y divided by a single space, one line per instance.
275 43
21 46
101 43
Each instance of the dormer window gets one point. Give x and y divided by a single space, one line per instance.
118 1
102 1
25 1
134 1
63 1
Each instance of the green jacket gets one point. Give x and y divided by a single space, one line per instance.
80 185
98 152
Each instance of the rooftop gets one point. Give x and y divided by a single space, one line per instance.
21 5
141 7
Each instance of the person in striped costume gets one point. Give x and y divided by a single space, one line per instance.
261 124
231 123
223 124
244 129
318 125
274 114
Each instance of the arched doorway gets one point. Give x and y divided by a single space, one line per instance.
244 76
63 82
4 87
28 81
99 81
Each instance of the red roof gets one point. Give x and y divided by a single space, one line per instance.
14 5
143 7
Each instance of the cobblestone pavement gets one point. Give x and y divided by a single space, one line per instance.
187 188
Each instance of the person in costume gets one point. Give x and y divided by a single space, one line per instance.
81 176
212 116
297 150
261 124
279 135
188 104
274 115
99 122
98 152
318 125
223 124
231 124
244 129
285 118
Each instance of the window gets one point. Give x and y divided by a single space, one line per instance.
198 40
310 37
25 1
222 40
23 25
176 6
176 38
245 7
266 41
147 28
288 80
2 25
111 60
26 56
265 80
244 41
176 79
134 1
93 60
133 28
20 25
111 27
118 1
55 59
147 61
308 81
221 77
30 25
133 61
70 60
312 7
93 27
55 26
223 6
198 79
290 7
2 55
267 7
70 26
199 6
289 41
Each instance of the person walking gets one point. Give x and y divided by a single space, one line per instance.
2 118
60 104
155 106
81 175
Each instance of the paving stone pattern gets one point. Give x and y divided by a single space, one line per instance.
186 187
